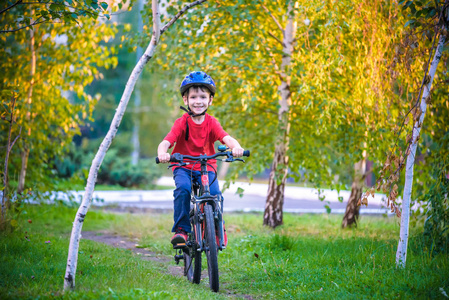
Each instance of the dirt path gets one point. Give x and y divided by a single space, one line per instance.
126 243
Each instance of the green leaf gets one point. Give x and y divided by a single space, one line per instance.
409 22
54 6
240 192
104 5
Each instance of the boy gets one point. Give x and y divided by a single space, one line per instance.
193 134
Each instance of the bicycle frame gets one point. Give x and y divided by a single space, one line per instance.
198 202
206 217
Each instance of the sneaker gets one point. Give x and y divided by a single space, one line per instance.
179 237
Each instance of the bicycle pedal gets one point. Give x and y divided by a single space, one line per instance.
179 246
178 258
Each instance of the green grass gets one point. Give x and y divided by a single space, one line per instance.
309 257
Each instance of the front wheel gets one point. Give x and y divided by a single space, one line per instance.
211 248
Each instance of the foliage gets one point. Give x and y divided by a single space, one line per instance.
436 202
67 59
57 11
424 15
14 207
116 170
341 97
413 55
309 258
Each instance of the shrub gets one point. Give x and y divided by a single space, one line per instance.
116 168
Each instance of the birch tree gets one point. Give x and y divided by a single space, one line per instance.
419 113
273 215
48 66
69 278
429 19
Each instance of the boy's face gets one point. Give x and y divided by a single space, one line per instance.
198 100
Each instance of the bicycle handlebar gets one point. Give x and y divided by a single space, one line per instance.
177 157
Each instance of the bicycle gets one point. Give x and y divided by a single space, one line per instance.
206 217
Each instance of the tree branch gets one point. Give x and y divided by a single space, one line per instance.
180 13
15 140
9 7
274 19
278 40
17 29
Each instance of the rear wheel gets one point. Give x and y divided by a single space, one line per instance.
211 249
192 265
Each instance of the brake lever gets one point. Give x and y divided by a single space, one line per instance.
239 159
177 165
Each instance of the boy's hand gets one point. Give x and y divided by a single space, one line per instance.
237 151
164 158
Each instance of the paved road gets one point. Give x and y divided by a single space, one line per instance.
297 199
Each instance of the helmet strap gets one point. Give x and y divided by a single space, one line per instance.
187 110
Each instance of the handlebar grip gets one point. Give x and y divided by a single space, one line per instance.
173 158
246 153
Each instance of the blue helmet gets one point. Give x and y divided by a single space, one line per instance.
198 78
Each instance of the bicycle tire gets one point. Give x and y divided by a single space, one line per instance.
211 249
192 265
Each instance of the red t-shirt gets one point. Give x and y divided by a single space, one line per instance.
201 138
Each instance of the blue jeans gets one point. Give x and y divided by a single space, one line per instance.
182 195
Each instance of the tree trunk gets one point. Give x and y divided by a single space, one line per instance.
352 209
9 146
273 215
69 278
26 151
401 254
136 119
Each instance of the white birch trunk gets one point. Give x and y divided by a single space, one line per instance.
136 120
273 215
401 254
69 278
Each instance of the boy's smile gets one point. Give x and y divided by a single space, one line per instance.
198 100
